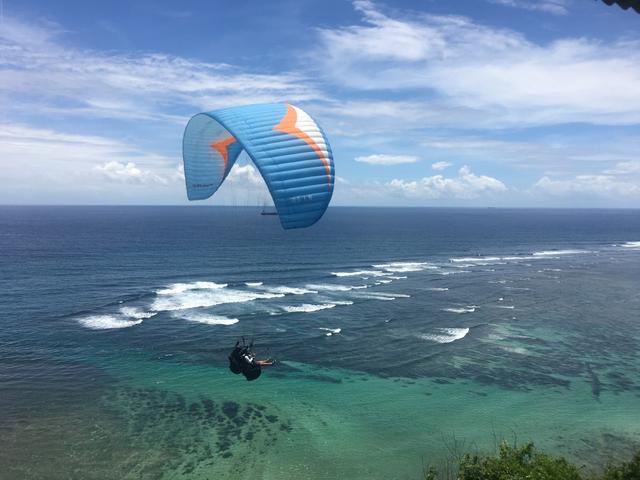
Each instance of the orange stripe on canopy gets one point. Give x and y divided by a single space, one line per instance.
288 125
222 147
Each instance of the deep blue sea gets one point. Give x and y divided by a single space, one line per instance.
400 335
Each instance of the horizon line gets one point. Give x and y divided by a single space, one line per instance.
470 207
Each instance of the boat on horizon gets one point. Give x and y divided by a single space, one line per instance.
268 209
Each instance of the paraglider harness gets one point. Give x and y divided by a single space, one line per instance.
242 360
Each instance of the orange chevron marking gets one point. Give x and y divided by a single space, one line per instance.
222 147
288 125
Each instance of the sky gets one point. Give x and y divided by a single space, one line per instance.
505 103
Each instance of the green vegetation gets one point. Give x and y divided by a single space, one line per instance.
526 463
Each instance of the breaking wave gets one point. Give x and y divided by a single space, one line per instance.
331 331
552 253
128 317
289 290
335 288
467 309
401 267
446 335
359 273
209 319
106 322
308 307
177 288
136 313
208 298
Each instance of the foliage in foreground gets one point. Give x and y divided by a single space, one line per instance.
526 463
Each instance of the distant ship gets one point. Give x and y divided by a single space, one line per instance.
268 209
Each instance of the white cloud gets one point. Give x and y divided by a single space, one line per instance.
557 7
620 182
243 186
552 154
246 175
129 173
603 186
497 75
22 145
384 159
39 161
439 166
466 185
153 87
624 168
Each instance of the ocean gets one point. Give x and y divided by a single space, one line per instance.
403 336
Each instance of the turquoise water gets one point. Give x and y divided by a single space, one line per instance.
457 328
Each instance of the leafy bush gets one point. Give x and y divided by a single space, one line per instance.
515 463
624 471
525 463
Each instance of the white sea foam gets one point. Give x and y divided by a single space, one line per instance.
209 319
438 289
401 267
333 287
208 298
393 277
394 295
382 296
253 284
476 260
377 297
452 272
500 260
289 290
509 307
105 322
136 313
467 309
331 331
385 281
553 253
307 307
359 273
177 288
446 335
631 245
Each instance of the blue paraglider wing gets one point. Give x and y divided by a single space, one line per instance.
287 146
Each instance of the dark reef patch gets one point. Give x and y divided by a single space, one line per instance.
322 378
188 435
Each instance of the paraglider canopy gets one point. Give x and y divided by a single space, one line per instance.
287 146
